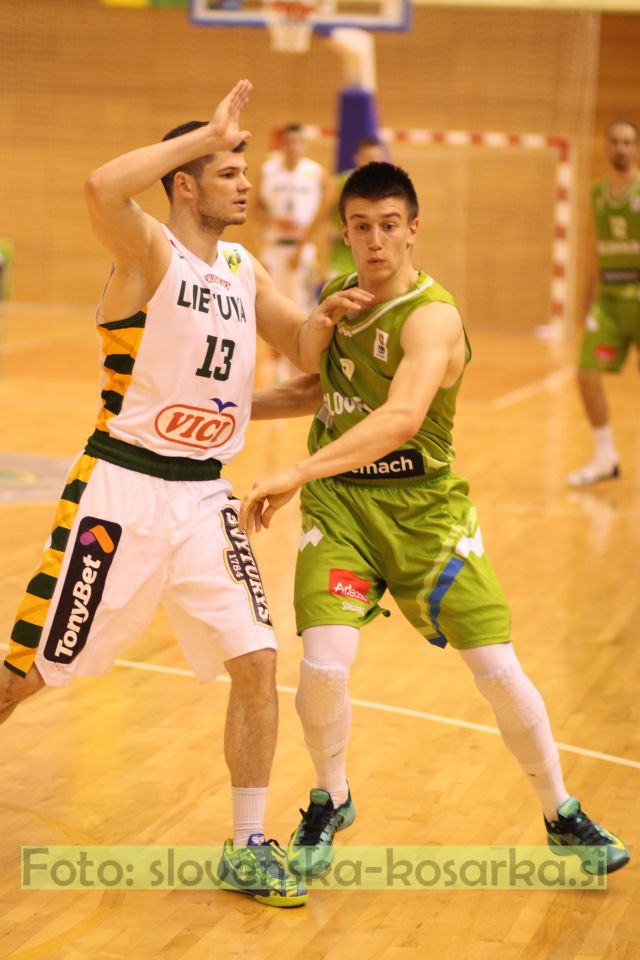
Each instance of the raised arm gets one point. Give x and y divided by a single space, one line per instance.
134 239
433 357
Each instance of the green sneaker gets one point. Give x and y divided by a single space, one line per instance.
257 871
310 850
574 829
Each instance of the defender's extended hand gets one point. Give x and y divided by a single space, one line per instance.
344 303
260 504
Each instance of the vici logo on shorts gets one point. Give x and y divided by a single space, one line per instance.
196 426
345 583
91 557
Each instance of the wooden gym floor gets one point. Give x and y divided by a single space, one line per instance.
136 758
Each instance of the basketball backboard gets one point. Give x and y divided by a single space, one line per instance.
325 15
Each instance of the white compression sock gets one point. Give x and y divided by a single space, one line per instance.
603 442
248 812
522 719
323 703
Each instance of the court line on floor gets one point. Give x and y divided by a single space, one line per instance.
550 382
402 711
383 708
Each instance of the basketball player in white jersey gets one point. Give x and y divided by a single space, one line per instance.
144 515
289 193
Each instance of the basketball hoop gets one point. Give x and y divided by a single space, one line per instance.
289 24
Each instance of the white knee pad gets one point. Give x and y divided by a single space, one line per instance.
321 693
516 702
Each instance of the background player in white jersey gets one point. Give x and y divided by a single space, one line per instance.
289 192
144 515
612 312
339 258
382 510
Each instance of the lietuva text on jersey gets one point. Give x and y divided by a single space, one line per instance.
177 376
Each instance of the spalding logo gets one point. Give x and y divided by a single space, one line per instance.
195 426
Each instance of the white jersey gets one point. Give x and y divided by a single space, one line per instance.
178 376
290 194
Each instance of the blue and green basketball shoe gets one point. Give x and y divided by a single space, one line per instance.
310 850
574 832
258 871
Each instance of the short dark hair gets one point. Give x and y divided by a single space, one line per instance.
194 167
622 123
377 181
291 128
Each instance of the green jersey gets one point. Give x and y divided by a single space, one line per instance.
356 372
617 225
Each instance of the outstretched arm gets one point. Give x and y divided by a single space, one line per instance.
284 326
293 398
433 356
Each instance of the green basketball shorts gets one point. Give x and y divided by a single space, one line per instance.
420 541
610 329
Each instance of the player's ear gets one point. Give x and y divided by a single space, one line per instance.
183 185
345 234
413 229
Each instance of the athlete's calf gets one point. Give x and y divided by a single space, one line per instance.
14 688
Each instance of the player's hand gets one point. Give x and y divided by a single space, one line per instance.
344 303
224 123
260 504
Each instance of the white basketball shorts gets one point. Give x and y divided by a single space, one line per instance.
128 542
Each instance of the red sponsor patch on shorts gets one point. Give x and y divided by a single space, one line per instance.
606 353
345 583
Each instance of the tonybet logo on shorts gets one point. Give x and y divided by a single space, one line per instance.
345 584
92 555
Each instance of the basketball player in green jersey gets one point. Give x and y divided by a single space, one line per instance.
383 510
613 307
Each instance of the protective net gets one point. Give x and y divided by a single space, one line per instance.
288 24
97 81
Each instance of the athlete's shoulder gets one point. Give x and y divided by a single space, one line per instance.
430 291
311 167
273 162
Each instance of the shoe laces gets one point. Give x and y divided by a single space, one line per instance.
589 832
267 856
314 822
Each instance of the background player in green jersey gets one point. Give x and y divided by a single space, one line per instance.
382 510
613 306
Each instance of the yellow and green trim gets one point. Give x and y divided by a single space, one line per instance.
120 344
34 608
